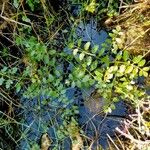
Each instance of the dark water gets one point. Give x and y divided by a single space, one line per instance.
38 118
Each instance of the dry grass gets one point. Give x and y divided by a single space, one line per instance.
135 27
135 133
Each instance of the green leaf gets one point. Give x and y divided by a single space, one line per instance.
129 69
101 52
44 80
115 99
71 45
8 83
81 56
137 59
73 84
115 68
95 49
125 55
94 65
123 79
16 3
122 69
112 69
86 78
145 74
135 71
146 68
57 73
14 70
80 74
46 59
141 73
18 87
50 78
89 60
79 42
75 51
106 60
4 69
112 106
31 4
92 6
78 83
129 87
119 55
109 76
33 53
98 73
26 19
44 102
2 80
141 63
87 46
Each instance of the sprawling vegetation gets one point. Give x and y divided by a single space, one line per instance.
42 57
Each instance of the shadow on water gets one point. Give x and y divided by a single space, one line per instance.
38 118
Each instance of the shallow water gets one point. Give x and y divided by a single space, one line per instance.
38 117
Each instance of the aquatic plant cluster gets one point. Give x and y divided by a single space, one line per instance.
42 57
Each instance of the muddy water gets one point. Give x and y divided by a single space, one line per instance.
39 118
